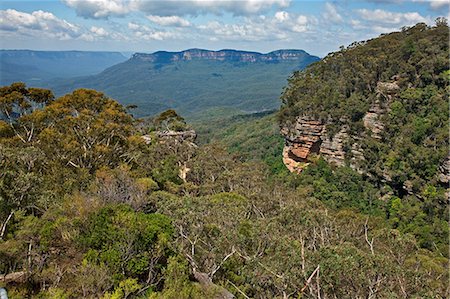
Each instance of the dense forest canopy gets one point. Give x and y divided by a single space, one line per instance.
97 204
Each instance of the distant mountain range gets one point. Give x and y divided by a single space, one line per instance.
222 55
195 80
35 67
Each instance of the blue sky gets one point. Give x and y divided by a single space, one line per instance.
319 27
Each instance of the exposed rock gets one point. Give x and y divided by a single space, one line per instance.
290 163
307 137
356 157
372 119
444 171
387 89
180 136
302 139
332 148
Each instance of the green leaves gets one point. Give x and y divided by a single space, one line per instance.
126 241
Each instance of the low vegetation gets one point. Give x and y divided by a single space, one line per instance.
91 209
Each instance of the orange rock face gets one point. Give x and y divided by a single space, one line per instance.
308 136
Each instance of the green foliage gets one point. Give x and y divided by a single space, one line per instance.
126 241
254 137
99 212
200 84
413 142
341 188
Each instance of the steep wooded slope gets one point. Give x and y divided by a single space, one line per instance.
380 107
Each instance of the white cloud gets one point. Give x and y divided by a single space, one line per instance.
142 32
300 24
175 21
99 9
386 17
199 7
39 23
434 4
282 16
331 13
437 4
282 26
99 31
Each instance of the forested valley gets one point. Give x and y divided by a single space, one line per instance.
95 203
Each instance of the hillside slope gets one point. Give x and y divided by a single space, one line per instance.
34 67
195 80
381 107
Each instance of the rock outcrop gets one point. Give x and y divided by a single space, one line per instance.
444 172
179 136
372 120
308 137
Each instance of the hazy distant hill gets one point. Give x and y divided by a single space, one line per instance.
34 67
194 80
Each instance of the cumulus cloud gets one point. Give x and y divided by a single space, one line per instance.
437 4
331 13
434 4
175 21
37 23
43 24
282 16
97 9
99 31
143 32
386 17
199 7
282 26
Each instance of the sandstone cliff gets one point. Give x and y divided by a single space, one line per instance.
307 137
222 55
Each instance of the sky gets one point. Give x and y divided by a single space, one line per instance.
318 27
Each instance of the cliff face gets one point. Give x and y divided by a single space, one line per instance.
307 138
222 55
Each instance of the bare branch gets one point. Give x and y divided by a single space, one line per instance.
2 234
308 281
370 243
242 293
222 262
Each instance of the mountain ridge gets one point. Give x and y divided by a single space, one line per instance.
195 80
35 67
221 55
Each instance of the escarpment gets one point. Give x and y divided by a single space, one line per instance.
222 55
380 107
307 137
